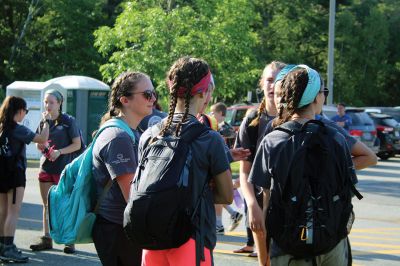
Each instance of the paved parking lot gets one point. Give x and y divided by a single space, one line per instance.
375 236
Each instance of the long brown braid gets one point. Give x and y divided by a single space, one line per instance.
274 65
123 84
185 72
293 86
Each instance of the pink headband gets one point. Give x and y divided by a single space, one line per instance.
200 87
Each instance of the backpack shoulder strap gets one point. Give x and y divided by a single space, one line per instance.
115 122
193 132
289 127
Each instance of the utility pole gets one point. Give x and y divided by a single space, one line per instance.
331 47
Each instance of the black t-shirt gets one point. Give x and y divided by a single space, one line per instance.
245 137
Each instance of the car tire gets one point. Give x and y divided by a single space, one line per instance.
384 156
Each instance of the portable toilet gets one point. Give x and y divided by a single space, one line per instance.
85 98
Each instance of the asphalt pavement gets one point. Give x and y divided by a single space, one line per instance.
375 237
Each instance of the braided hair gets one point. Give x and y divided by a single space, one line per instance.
293 87
122 86
186 72
274 65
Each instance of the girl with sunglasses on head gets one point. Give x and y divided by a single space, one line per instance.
64 141
115 161
190 86
12 186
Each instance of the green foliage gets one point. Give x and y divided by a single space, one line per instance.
237 37
57 41
150 36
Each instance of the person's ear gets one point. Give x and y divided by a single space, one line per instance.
123 100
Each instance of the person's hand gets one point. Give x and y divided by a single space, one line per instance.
256 219
341 124
236 183
54 155
41 146
45 115
266 263
240 154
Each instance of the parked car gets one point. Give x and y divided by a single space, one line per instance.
392 111
329 111
388 131
236 113
363 128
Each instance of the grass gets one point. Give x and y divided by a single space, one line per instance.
33 163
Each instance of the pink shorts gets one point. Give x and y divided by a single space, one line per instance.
185 255
45 177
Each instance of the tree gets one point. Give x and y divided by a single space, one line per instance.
43 39
149 35
362 40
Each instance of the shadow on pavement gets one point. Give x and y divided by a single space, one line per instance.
30 216
377 174
386 167
58 257
385 188
374 257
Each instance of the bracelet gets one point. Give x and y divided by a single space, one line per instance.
59 152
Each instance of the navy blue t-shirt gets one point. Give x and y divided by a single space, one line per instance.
114 154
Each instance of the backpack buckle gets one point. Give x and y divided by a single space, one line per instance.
304 233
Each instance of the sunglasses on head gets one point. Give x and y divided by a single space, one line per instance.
147 94
325 91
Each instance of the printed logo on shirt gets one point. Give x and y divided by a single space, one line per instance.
120 159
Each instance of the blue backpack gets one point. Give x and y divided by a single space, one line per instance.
71 203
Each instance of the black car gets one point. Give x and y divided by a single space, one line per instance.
388 130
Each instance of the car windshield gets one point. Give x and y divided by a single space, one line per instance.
239 117
229 114
360 119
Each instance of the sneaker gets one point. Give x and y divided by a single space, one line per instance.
69 249
235 220
44 243
12 254
220 230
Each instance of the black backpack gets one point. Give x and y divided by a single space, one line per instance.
159 214
310 204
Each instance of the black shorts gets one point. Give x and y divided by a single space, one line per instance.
113 246
17 180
